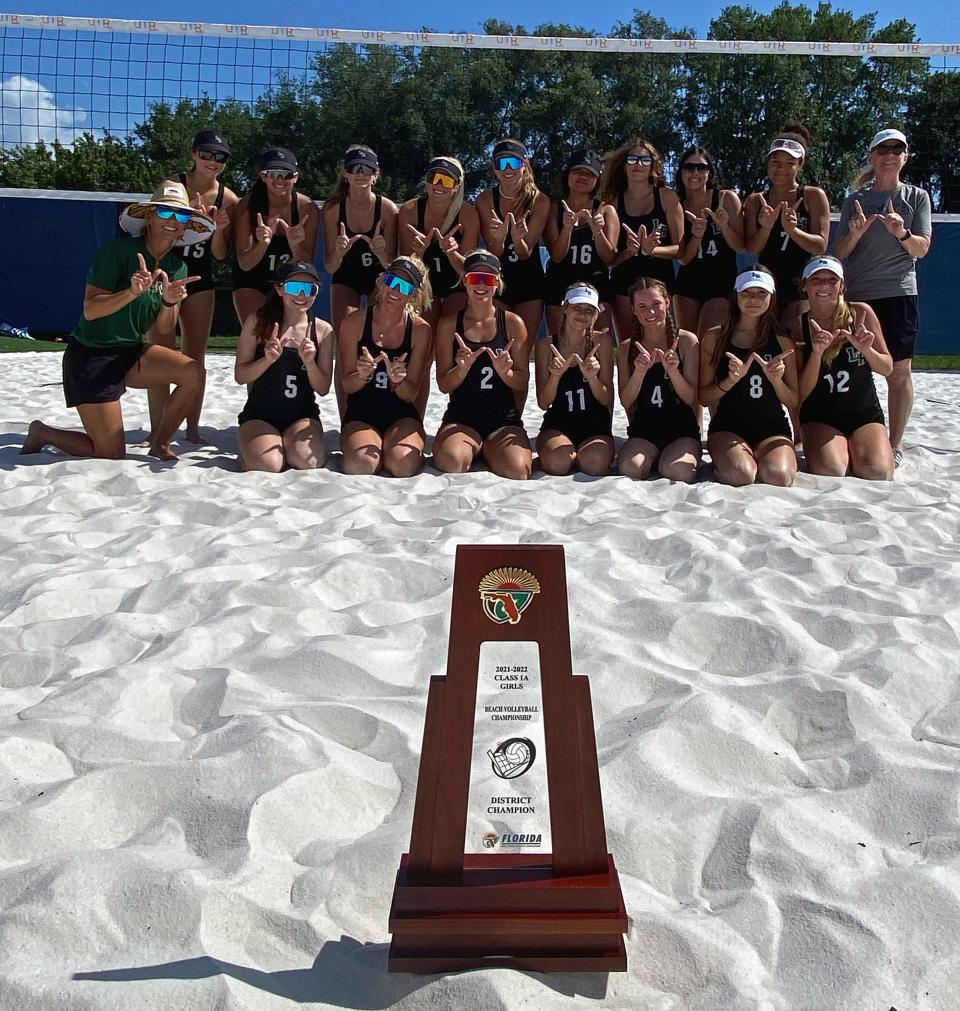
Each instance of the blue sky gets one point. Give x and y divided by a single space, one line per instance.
61 87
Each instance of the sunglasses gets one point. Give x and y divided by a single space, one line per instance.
480 279
301 288
218 156
405 287
639 159
166 213
441 179
278 173
695 166
890 148
508 161
361 170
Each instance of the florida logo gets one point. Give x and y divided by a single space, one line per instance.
506 594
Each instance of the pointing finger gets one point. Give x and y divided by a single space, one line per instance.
343 229
259 220
142 263
459 340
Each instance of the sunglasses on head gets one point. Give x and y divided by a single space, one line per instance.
402 285
895 148
481 279
695 166
639 159
301 288
508 161
168 212
361 170
218 156
442 179
278 173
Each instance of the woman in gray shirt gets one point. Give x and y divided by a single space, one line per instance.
884 229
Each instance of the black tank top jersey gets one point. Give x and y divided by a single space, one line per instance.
660 416
283 394
784 257
575 411
845 394
483 401
443 276
523 278
711 273
261 275
751 408
360 268
582 262
655 220
375 403
198 258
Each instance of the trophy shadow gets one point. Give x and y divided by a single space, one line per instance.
347 973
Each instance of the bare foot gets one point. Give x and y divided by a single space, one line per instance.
162 452
193 435
35 440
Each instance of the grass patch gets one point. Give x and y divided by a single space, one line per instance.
937 363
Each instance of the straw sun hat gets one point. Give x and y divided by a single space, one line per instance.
169 194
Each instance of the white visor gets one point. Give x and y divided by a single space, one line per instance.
792 147
755 279
580 294
823 263
884 135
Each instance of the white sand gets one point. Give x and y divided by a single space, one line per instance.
213 690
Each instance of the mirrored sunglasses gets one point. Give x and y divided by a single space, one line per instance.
508 161
442 179
481 279
168 212
402 285
639 159
278 173
301 288
218 156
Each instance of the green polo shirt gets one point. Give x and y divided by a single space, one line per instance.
111 270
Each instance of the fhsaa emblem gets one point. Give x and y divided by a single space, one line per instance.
506 594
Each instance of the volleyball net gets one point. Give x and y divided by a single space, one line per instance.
147 86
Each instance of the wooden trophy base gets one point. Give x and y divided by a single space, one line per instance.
511 911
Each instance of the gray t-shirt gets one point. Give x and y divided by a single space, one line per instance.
879 266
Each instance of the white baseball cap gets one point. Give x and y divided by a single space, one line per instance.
885 135
582 294
755 279
792 147
823 263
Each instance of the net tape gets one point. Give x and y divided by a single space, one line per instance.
469 40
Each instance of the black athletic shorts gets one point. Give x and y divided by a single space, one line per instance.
844 422
97 375
484 427
900 323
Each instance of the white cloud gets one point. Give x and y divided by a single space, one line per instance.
29 112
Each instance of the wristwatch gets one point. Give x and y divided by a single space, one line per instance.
906 235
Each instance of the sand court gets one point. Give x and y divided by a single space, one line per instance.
212 689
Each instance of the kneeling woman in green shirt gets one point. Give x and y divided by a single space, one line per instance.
134 284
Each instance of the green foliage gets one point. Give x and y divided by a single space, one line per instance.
411 104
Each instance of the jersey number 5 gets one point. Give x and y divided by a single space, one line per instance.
291 387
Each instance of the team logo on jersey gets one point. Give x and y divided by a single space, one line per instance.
507 593
854 356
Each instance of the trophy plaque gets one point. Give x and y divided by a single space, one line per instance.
508 862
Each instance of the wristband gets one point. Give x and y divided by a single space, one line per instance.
722 390
907 234
169 305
